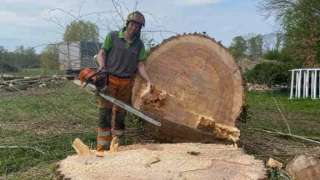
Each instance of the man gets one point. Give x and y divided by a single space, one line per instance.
122 56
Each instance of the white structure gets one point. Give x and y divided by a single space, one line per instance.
76 55
305 83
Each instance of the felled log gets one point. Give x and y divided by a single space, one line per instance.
165 161
198 91
304 167
23 83
9 77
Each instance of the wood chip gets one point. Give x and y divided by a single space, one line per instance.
152 160
81 148
114 145
274 164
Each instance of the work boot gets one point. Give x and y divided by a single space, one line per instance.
119 134
103 141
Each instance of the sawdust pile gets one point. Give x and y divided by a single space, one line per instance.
165 161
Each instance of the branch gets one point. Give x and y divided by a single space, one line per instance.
160 31
135 5
65 12
118 10
282 115
289 135
277 7
80 8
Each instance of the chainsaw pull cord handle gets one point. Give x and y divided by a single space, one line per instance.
95 74
86 82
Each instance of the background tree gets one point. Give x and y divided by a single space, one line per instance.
81 31
49 57
255 46
18 59
300 20
238 47
279 41
4 61
30 58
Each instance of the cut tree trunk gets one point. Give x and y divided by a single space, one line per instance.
198 91
165 161
304 167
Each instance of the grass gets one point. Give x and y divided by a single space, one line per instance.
302 116
38 71
46 119
50 119
273 111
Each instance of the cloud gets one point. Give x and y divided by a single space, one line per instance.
197 2
12 18
33 2
222 19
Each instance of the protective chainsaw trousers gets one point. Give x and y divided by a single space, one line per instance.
104 129
119 88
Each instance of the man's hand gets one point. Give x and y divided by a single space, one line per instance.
147 90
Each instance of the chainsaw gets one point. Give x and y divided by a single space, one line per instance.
96 81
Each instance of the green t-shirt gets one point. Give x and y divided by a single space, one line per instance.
107 45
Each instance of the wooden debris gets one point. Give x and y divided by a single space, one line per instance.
264 87
274 164
304 167
194 153
17 83
81 148
152 160
288 135
114 145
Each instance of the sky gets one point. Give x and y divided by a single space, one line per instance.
34 23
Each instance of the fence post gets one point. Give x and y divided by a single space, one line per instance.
291 87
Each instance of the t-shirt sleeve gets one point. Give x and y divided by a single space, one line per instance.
142 54
107 45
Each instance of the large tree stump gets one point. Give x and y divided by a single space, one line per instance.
198 91
165 161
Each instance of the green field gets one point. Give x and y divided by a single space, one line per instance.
44 122
38 71
272 114
45 119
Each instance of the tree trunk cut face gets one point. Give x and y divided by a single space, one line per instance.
198 86
165 161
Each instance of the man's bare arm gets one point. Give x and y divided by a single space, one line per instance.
145 76
143 73
100 59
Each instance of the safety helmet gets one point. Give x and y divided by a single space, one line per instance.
137 17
